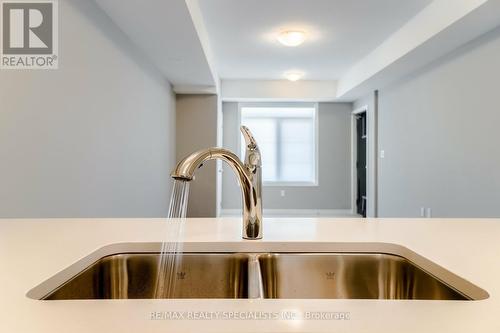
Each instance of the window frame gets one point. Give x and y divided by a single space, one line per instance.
314 105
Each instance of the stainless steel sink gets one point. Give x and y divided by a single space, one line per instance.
355 276
135 275
259 270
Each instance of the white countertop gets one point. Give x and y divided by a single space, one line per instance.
32 250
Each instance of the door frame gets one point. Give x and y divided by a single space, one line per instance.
370 160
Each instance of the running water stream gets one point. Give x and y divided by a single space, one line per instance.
170 257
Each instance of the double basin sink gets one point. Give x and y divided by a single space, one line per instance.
370 272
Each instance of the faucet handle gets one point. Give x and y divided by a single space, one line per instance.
252 153
249 139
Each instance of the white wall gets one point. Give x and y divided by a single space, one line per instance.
95 138
197 129
334 175
278 90
439 131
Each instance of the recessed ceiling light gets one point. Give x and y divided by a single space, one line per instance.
291 37
294 76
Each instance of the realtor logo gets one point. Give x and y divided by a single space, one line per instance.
29 34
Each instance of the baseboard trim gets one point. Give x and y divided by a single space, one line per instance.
294 213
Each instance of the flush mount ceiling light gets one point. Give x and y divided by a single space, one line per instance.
291 37
293 76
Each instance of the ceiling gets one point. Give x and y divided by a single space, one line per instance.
242 34
164 31
353 47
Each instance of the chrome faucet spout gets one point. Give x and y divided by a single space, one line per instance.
249 176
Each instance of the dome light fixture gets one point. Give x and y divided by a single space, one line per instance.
293 76
291 38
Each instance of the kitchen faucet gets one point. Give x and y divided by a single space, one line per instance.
249 176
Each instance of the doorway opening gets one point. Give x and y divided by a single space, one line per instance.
361 163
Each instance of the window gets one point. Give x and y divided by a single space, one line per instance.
286 135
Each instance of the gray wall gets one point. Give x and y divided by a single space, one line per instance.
197 129
439 130
333 192
94 138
